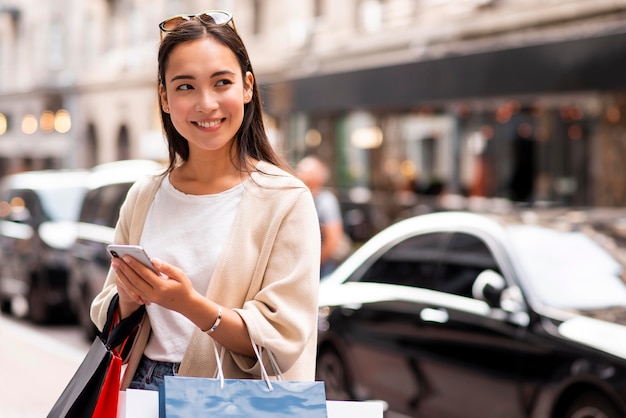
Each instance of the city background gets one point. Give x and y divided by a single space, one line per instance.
413 103
416 105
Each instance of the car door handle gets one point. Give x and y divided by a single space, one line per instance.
434 315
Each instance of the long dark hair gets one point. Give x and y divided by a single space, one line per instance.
251 139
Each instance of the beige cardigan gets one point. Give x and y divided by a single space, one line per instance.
268 271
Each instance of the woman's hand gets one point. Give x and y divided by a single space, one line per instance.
171 289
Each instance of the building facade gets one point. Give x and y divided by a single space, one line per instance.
410 101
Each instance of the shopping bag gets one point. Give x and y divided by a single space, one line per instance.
138 403
106 407
184 397
102 361
360 409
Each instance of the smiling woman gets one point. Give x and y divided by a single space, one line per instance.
203 95
224 224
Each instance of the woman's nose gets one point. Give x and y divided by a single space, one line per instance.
207 102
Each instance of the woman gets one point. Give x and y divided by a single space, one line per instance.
233 235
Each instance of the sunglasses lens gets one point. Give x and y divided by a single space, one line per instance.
217 17
172 23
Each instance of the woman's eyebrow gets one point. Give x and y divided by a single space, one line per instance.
191 77
221 73
182 77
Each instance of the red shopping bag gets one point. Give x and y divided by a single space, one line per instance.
106 407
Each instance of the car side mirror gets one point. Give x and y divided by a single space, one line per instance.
492 288
488 287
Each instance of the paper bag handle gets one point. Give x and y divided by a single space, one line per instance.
258 352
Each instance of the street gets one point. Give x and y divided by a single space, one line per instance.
37 362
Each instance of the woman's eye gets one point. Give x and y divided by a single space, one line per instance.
224 82
184 87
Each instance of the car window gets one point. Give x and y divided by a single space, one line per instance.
102 205
568 269
466 256
412 262
62 203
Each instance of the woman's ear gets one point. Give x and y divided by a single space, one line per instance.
163 95
248 89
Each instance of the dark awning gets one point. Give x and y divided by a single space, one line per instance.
591 64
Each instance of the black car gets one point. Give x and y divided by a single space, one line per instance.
107 187
37 212
457 314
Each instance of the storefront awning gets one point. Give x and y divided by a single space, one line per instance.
581 65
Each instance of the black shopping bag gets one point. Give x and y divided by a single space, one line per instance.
184 397
80 396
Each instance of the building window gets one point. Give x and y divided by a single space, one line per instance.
56 50
370 16
318 8
123 144
257 15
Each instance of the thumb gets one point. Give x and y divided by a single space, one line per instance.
166 269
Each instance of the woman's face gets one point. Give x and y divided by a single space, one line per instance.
205 94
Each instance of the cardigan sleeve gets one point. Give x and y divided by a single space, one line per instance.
282 316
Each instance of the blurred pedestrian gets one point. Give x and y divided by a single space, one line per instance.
232 232
314 173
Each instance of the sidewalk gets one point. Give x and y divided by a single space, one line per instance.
35 370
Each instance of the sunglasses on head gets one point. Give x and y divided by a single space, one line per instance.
216 17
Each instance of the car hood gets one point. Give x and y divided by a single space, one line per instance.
601 335
59 235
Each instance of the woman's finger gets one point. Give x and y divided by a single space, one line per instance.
131 282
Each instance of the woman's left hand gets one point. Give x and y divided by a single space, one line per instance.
172 289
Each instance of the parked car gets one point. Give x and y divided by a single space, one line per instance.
456 314
107 187
37 210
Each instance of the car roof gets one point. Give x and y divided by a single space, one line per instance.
45 179
123 171
607 226
611 220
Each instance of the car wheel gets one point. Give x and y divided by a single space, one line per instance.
5 305
592 405
5 300
331 369
37 303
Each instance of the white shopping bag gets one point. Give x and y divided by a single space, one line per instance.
342 409
135 403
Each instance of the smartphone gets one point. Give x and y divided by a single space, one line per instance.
135 251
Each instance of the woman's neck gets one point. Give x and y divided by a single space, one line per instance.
201 176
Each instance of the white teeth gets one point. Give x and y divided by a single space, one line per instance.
208 124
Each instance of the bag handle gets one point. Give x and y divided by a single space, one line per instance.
113 336
258 351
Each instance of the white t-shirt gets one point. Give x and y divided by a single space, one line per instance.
187 231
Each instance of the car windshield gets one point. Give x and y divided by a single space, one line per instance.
568 270
62 203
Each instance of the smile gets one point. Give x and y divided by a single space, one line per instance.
209 124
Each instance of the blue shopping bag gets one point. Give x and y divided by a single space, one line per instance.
186 397
194 397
